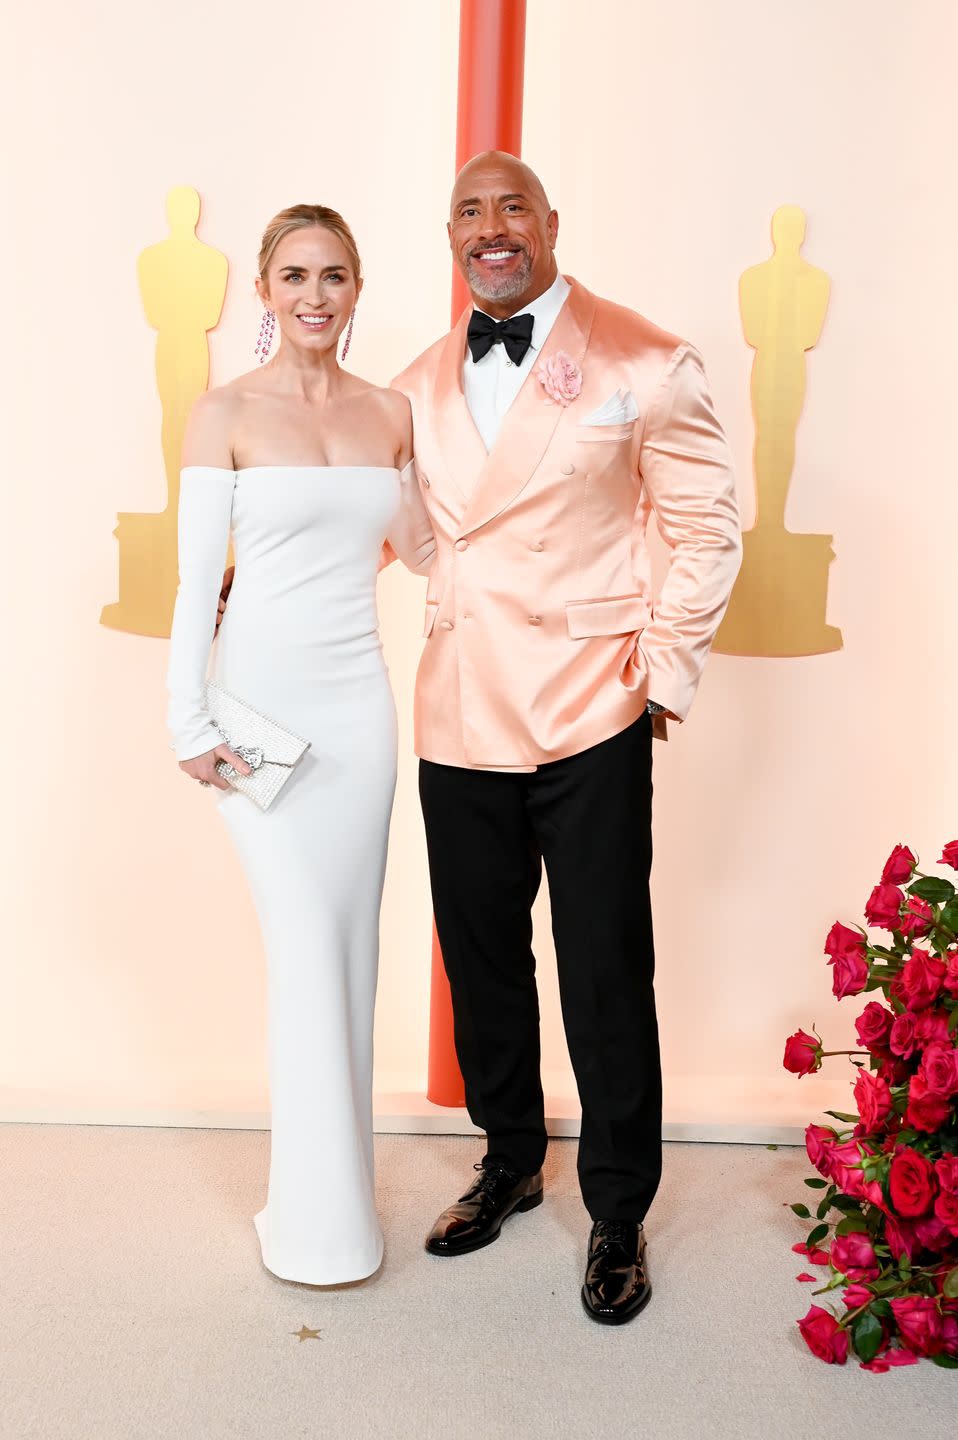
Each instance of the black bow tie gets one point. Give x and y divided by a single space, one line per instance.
514 333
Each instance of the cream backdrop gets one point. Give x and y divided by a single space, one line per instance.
132 978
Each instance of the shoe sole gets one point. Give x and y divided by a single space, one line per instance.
529 1203
616 1319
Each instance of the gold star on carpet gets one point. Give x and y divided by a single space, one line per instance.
304 1333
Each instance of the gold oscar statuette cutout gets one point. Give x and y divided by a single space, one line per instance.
183 286
778 604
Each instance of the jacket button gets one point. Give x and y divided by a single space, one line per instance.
445 625
568 469
535 619
537 546
462 544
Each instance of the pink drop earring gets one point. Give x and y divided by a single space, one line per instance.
349 334
267 326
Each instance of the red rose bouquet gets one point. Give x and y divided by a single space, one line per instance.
886 1225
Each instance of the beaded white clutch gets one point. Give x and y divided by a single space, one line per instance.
272 752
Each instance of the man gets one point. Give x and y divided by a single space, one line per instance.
549 425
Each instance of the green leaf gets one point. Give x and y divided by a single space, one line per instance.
950 1286
843 1115
823 1208
820 1184
867 1335
930 888
846 1204
949 917
947 1362
814 1236
881 1308
802 1211
851 1225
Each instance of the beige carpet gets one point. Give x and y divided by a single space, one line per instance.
133 1306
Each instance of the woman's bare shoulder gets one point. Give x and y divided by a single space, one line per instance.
211 427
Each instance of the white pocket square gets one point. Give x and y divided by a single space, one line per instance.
619 409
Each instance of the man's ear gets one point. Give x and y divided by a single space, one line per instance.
552 227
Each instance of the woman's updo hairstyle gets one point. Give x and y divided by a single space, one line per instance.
302 217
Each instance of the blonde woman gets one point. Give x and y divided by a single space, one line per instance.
309 469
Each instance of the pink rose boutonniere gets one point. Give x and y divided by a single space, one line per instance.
561 378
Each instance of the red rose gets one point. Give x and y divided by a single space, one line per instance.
901 1238
844 1166
926 1111
893 1072
842 941
819 1143
946 1210
911 1183
849 975
951 972
854 1256
920 979
919 1323
947 1171
873 1098
939 1069
884 905
873 1027
949 856
932 1234
932 1025
899 866
857 1295
824 1336
803 1053
902 1039
918 917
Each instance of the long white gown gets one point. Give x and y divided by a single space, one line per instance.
300 643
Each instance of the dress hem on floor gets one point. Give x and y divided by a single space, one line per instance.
338 1272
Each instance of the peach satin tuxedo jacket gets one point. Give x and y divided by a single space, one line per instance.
542 638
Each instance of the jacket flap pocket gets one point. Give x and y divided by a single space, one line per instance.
620 615
432 610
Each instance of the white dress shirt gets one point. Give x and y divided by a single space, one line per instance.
492 383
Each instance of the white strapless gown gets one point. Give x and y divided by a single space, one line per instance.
300 643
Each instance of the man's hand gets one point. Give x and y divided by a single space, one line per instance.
203 767
228 577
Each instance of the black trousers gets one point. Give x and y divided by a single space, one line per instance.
589 817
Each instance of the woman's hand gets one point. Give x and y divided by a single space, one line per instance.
228 576
203 767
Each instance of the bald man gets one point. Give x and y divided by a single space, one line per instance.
549 426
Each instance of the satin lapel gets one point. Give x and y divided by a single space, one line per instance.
529 423
461 444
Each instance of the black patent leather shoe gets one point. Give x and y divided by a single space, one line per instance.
476 1218
616 1279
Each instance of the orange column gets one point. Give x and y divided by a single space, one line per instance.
492 42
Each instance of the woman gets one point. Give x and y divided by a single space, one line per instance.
310 469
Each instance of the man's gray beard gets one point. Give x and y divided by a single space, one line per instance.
510 287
